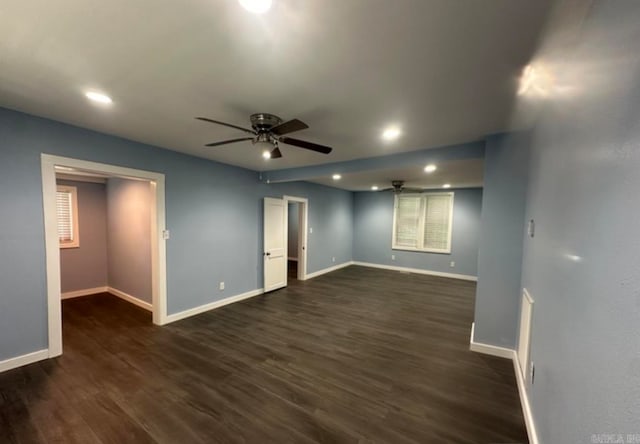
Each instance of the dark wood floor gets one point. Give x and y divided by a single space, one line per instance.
359 355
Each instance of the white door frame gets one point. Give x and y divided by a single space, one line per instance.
303 220
52 247
524 337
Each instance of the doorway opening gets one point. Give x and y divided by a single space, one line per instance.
136 201
275 229
297 211
293 226
104 226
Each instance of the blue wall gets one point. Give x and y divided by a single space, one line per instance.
498 293
330 217
129 244
583 266
214 212
373 226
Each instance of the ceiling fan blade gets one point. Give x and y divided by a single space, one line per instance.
289 127
224 142
246 130
306 145
276 154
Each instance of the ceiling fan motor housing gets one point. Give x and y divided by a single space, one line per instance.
264 140
263 122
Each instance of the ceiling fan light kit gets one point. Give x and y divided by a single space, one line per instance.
267 131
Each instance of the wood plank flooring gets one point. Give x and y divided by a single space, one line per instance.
356 356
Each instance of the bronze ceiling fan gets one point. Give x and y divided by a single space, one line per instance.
267 131
397 186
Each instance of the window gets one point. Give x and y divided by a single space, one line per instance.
422 222
67 213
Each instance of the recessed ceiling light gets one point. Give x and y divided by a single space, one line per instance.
336 177
391 133
446 185
256 6
536 81
98 97
266 154
430 168
374 188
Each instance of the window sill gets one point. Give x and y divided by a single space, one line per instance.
418 250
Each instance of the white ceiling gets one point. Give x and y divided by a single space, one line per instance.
458 173
445 71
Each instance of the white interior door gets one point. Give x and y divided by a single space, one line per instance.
275 244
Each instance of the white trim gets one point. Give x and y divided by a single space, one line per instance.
19 361
52 255
487 349
132 299
522 388
52 249
303 233
114 291
74 178
158 252
85 292
523 345
212 305
464 277
524 401
526 294
329 270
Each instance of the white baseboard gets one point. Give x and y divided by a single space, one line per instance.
328 270
19 361
292 259
85 292
132 299
524 401
212 305
464 277
522 388
487 349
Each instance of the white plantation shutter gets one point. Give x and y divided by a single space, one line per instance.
66 211
65 216
423 222
437 223
407 221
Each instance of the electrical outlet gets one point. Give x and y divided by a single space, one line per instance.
166 235
393 257
333 259
310 230
452 264
531 229
221 286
